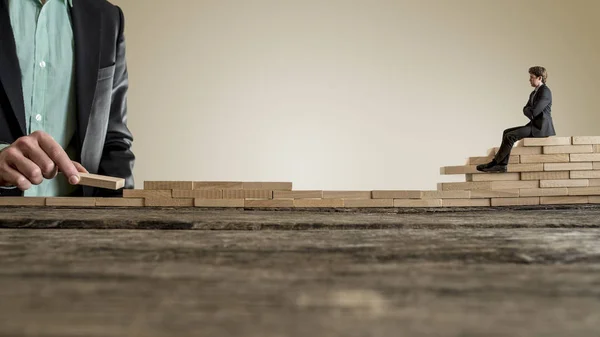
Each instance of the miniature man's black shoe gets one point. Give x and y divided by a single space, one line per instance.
494 169
486 166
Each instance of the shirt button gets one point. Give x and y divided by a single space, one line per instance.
38 117
42 64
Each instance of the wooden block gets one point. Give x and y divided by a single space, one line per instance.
543 192
545 158
346 195
127 193
269 203
318 203
218 185
169 202
477 194
478 185
297 194
593 199
568 166
396 194
595 174
458 169
568 149
586 140
247 194
168 185
100 181
484 160
547 141
586 157
22 201
529 201
519 151
273 186
71 202
364 203
466 203
198 194
596 165
417 203
509 185
221 203
548 175
564 183
596 148
446 194
563 200
119 202
525 167
496 177
594 182
584 191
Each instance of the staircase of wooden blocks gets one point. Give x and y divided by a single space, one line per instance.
541 171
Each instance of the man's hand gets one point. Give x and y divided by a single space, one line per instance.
32 158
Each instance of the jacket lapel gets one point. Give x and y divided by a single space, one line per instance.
10 72
86 31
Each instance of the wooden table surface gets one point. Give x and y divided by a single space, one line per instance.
192 272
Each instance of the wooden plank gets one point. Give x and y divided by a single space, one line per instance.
318 203
595 174
297 194
466 203
269 203
519 151
586 140
568 149
477 194
119 202
563 200
525 167
484 160
547 141
279 186
346 195
579 157
547 175
446 194
417 203
584 191
596 148
596 165
545 158
564 183
168 185
169 202
594 182
495 177
127 193
594 199
364 203
568 166
22 201
396 194
464 169
218 185
478 185
219 203
100 181
247 194
509 185
543 192
528 201
71 202
198 194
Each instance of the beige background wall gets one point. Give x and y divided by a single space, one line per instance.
341 94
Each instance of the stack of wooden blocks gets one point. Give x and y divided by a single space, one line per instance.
541 171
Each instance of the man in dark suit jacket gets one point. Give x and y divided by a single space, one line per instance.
101 141
538 110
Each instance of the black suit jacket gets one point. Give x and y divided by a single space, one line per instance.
538 111
103 139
